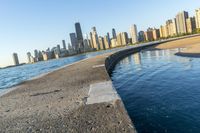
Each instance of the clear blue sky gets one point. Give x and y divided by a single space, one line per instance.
26 25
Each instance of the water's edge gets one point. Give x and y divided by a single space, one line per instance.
110 61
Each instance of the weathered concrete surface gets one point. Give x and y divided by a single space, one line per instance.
102 92
56 102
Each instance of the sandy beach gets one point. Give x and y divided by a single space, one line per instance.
56 102
190 46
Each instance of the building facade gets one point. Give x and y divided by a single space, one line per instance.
114 34
95 39
191 24
181 22
156 34
149 35
141 36
197 16
124 37
15 59
74 41
79 36
134 34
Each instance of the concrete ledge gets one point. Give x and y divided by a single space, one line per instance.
76 98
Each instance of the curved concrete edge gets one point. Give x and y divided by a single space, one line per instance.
113 59
101 95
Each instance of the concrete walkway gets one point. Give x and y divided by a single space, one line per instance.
79 98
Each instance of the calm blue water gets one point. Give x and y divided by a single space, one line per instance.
161 91
16 75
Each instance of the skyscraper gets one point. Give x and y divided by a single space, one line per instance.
134 34
119 39
95 39
108 39
64 44
163 31
174 25
156 34
15 59
181 22
169 27
191 24
29 57
74 41
79 36
149 34
101 43
114 34
107 45
124 37
197 16
141 36
58 49
91 40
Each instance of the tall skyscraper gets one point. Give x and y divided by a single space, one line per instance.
95 39
74 41
191 24
141 36
64 44
108 39
58 49
149 34
124 37
197 16
101 43
114 34
156 34
134 34
36 53
163 31
79 35
87 44
29 57
113 43
119 39
107 45
181 22
169 27
91 40
15 59
174 25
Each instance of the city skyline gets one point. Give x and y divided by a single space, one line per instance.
21 47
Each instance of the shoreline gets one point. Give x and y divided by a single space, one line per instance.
58 101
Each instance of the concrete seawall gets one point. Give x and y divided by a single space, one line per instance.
114 58
78 98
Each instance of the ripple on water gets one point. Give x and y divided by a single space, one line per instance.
160 91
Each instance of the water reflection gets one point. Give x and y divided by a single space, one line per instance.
160 91
137 58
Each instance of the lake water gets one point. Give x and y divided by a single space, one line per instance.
15 75
160 91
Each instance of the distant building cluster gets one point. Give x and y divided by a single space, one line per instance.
180 25
80 44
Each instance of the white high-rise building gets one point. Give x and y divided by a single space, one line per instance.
197 17
181 22
95 39
134 34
